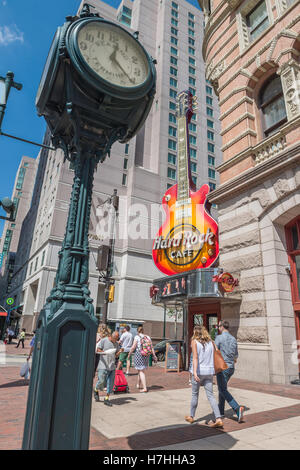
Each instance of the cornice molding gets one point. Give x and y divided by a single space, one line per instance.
255 175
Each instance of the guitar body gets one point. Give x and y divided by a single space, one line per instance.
188 239
194 233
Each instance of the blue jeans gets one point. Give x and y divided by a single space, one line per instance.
222 380
106 379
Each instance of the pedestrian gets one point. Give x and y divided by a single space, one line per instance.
10 334
143 348
108 348
125 342
203 371
100 332
21 338
227 344
31 344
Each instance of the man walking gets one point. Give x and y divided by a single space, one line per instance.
22 338
125 342
227 344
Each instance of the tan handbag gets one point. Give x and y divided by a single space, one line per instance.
219 362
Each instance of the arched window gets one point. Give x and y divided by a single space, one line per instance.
271 103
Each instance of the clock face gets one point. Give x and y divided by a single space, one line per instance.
113 54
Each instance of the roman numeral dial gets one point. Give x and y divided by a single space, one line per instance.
113 54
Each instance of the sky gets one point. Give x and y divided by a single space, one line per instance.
26 31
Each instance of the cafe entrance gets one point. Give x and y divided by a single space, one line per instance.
206 314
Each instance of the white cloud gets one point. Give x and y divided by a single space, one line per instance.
9 34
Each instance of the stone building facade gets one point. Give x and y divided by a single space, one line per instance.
252 51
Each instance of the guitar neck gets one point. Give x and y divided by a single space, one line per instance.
183 176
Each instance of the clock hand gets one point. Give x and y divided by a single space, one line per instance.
120 66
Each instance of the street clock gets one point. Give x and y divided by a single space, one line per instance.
101 69
110 58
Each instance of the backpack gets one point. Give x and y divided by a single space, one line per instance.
146 346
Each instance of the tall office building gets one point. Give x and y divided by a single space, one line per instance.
141 170
21 197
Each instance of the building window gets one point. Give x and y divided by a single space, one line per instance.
173 71
193 140
191 24
292 232
211 173
175 5
191 51
16 201
209 100
26 164
208 90
210 135
172 105
194 179
171 173
173 93
174 13
172 144
271 102
43 258
211 160
209 112
172 158
174 22
172 118
191 16
192 61
212 186
210 147
7 241
257 20
36 263
192 71
191 32
126 149
194 167
30 269
191 41
192 127
173 60
193 153
125 164
174 40
169 185
210 123
173 50
174 31
192 81
173 82
172 131
124 16
124 179
21 177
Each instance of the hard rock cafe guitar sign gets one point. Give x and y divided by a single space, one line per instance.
188 239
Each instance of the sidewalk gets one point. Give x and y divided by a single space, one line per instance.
155 420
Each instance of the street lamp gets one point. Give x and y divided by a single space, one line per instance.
9 207
6 83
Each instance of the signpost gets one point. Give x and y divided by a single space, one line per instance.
173 357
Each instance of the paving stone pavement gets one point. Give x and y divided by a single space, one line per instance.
155 420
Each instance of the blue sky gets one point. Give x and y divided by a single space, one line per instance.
26 31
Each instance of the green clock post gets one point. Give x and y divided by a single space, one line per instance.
97 87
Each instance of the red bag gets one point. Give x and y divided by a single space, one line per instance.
120 383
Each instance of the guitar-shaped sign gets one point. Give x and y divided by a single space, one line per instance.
188 239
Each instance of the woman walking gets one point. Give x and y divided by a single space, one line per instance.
141 344
202 373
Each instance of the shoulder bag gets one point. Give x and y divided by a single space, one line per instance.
219 362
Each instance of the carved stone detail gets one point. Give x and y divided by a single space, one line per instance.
290 79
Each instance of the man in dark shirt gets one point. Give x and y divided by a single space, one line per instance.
227 344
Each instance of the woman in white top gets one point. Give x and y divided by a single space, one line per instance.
203 371
140 361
